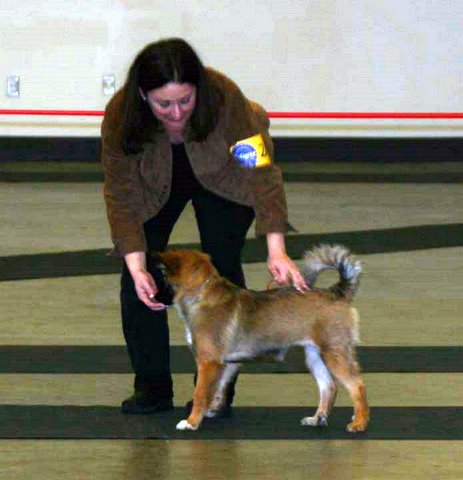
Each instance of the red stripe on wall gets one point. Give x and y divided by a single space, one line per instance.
287 115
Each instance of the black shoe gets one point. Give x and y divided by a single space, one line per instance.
144 403
225 411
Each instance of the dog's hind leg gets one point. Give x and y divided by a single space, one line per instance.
326 387
209 373
229 374
342 364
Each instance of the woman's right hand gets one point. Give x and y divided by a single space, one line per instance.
145 285
147 289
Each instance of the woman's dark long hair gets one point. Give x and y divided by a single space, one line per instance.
169 60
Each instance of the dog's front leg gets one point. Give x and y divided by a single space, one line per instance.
209 373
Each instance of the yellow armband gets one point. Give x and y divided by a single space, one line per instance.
251 152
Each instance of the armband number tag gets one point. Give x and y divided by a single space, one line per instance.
251 152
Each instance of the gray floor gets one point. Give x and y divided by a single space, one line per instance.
408 298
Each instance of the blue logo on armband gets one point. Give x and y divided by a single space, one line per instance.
246 154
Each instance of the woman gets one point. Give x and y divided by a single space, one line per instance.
166 139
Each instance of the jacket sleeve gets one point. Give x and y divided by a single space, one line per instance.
122 191
246 118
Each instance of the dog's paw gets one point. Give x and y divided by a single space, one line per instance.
215 408
184 425
355 427
316 421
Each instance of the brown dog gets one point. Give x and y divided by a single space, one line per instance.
226 325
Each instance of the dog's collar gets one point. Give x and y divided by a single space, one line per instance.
190 292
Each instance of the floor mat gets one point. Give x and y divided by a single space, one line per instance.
247 423
114 359
97 262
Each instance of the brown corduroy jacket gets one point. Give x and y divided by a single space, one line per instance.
137 186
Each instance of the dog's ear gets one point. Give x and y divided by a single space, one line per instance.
169 262
202 264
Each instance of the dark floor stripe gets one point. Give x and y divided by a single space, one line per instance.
289 177
247 423
47 176
415 177
97 262
377 150
113 359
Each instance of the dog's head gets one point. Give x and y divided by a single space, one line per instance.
186 269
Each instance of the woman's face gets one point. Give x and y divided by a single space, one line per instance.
173 104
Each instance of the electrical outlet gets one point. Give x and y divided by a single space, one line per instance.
109 84
12 86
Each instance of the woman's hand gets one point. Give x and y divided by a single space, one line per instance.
145 285
281 267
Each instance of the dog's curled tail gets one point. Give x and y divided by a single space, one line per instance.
333 257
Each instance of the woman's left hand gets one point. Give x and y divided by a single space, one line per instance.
281 267
284 271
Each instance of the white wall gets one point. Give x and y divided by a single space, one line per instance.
290 55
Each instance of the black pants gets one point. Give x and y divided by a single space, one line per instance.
222 226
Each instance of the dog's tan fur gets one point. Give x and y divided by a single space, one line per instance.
226 325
